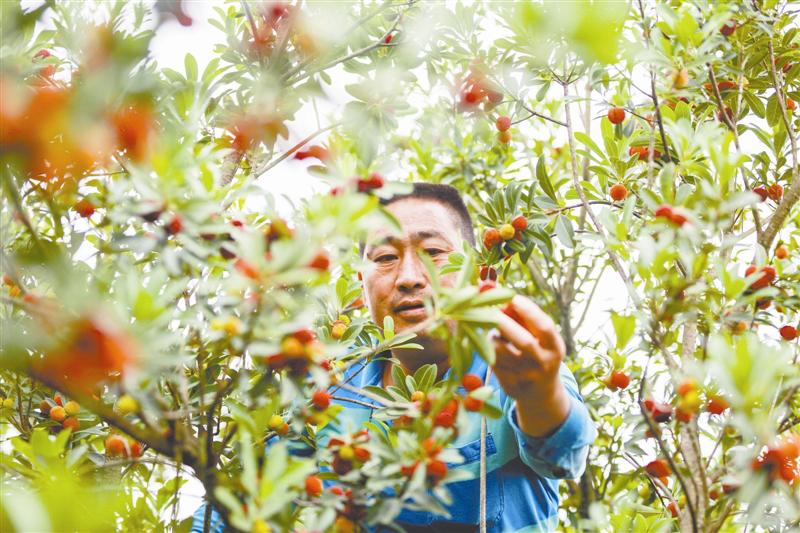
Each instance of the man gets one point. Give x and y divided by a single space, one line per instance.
546 430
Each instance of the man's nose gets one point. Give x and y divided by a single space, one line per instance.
412 275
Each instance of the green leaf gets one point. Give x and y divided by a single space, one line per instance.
565 231
624 327
190 64
544 180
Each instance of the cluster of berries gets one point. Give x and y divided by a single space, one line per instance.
477 90
372 182
278 425
435 470
298 350
779 461
773 192
690 401
505 233
62 414
119 446
675 215
349 451
503 124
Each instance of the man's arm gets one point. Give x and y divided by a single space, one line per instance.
561 453
551 423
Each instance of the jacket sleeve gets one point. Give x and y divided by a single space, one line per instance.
198 520
563 454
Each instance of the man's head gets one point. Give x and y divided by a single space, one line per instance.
396 284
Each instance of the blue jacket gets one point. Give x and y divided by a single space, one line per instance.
523 472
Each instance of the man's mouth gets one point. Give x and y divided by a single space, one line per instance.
411 310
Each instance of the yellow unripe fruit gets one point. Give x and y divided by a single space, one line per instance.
507 232
218 324
344 525
233 326
347 453
291 347
690 402
275 422
58 414
72 408
127 404
338 330
345 319
259 526
8 403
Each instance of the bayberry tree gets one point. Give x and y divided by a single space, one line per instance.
162 321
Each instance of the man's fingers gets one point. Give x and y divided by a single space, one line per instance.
538 322
521 338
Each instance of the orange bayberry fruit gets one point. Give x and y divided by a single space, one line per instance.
728 29
313 486
444 419
520 223
775 192
664 211
72 423
790 105
503 124
658 468
116 445
321 261
616 115
492 236
762 192
782 252
84 207
618 192
717 405
789 333
362 454
471 382
674 510
504 137
620 379
321 400
487 285
686 387
507 232
338 329
58 414
418 396
473 404
436 470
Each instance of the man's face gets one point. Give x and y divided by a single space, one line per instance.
397 283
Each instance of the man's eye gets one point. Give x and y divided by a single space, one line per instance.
433 251
384 258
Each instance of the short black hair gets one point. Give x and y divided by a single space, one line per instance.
444 194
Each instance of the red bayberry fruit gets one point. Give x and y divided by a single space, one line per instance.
44 408
503 124
473 404
321 261
409 470
72 423
674 510
717 405
657 468
321 400
492 236
520 223
620 379
728 29
175 225
116 446
789 333
362 454
41 54
436 470
136 449
84 208
790 104
444 419
616 115
762 192
336 490
488 273
313 486
504 137
246 268
664 211
487 285
471 382
775 192
683 416
618 192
